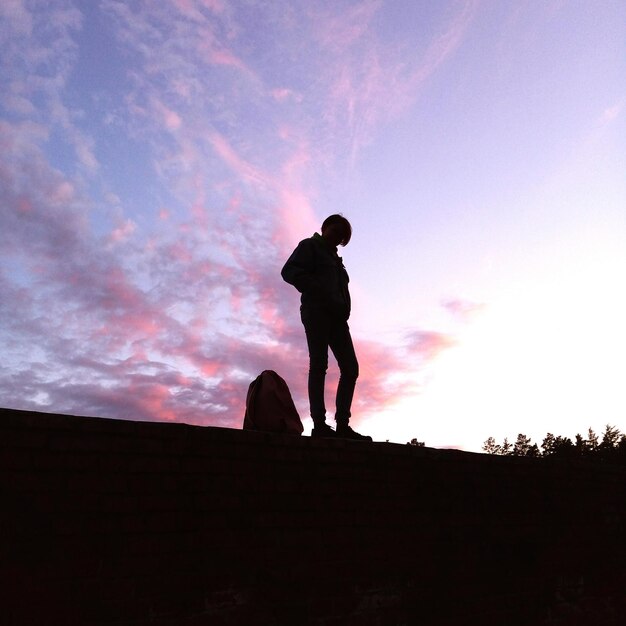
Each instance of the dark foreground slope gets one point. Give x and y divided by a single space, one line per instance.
117 522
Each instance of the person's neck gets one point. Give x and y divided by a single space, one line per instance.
329 245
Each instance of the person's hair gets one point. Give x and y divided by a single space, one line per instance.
339 219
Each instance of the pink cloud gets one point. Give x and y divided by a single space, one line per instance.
445 44
172 120
204 31
156 400
192 8
217 6
341 30
296 215
222 56
241 167
376 388
371 82
189 9
122 232
17 15
283 94
463 310
610 114
39 68
428 344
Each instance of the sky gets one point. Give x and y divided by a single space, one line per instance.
159 161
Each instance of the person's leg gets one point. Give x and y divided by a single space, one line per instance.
340 342
317 330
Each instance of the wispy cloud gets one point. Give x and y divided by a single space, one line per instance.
463 310
611 113
370 82
38 54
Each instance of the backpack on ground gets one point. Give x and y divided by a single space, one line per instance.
270 407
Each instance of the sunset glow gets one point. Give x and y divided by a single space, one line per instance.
160 160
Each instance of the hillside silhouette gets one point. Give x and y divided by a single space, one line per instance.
120 522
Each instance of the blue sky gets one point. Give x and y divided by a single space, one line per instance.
161 160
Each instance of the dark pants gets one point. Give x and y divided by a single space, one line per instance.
324 331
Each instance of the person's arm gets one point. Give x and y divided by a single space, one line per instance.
300 268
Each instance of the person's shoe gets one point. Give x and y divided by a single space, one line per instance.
323 430
345 432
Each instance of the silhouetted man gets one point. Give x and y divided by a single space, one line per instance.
317 272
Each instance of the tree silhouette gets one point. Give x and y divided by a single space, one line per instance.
524 447
610 438
491 447
556 445
612 447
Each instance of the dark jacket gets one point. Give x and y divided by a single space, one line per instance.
317 272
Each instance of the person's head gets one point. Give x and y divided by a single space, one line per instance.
336 229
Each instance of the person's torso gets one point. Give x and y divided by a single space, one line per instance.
333 279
